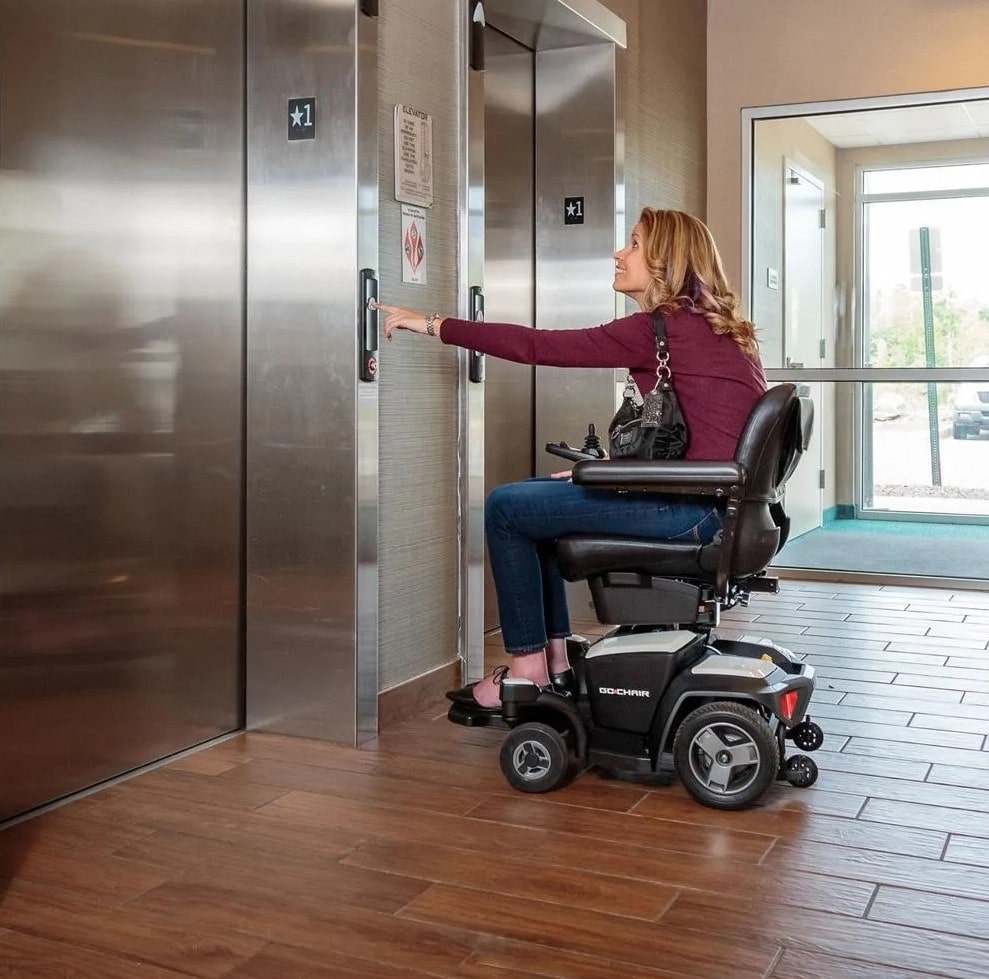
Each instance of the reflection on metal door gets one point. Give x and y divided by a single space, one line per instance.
803 327
121 229
509 264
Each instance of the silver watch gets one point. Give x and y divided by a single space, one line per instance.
430 320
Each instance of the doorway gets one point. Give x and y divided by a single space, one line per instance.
804 217
542 132
509 264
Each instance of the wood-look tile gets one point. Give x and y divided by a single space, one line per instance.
497 873
906 790
948 709
773 818
891 732
887 945
256 745
950 647
864 764
308 871
356 786
978 697
968 849
973 660
946 681
802 963
892 692
963 631
180 941
284 962
697 953
919 671
797 640
843 712
708 872
940 722
965 777
917 752
24 956
932 912
862 630
383 939
498 959
828 671
104 878
876 867
203 763
927 817
884 617
683 837
392 822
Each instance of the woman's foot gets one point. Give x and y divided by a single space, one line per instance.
556 655
526 666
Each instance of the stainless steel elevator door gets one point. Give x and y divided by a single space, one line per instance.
121 319
509 264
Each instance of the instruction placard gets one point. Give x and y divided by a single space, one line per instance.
413 156
413 244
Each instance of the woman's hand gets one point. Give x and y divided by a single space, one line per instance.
566 474
408 319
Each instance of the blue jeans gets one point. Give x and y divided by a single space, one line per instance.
522 522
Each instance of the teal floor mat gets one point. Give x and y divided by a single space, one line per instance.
929 550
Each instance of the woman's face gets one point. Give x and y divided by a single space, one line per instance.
631 273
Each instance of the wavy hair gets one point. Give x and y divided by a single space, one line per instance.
687 273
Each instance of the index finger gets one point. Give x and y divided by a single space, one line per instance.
386 308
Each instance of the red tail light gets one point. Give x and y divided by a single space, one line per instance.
788 704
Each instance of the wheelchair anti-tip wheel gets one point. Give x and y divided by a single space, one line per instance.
807 736
726 755
535 758
800 771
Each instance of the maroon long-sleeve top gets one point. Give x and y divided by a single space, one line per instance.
716 383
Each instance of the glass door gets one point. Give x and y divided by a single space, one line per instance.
925 305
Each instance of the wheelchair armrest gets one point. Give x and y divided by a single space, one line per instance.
661 476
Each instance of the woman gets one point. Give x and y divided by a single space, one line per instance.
671 264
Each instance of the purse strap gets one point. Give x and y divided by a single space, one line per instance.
663 372
664 376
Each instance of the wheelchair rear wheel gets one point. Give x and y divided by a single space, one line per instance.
726 755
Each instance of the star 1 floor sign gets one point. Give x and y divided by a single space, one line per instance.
302 118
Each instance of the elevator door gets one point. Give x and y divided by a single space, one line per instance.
509 264
121 242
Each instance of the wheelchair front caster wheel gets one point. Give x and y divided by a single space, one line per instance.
801 771
535 758
807 736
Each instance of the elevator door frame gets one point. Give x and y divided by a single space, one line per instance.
572 273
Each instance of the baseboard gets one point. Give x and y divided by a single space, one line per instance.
405 700
843 511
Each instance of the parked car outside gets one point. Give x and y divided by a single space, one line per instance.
971 405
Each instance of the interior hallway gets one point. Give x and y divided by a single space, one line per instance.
268 857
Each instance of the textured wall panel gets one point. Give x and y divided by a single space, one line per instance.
662 79
419 562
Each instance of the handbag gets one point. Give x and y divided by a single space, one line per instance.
656 429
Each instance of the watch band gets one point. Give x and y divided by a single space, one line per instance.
430 321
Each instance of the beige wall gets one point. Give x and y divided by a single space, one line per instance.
765 52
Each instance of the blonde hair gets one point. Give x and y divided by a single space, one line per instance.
687 273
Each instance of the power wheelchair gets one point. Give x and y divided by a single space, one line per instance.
659 695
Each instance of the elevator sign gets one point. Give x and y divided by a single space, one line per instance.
413 156
302 118
573 210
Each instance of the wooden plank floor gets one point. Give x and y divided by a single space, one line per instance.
273 858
